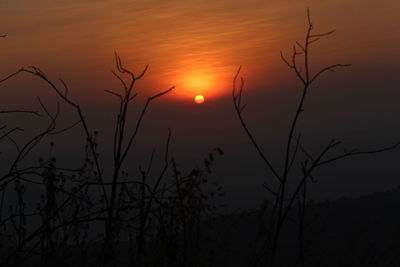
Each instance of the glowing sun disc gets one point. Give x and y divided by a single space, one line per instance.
199 99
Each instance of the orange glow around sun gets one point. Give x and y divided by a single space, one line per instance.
199 82
199 99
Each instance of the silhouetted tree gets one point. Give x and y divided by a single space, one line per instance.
146 208
285 190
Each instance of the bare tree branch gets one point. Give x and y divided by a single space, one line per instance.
329 68
236 96
20 111
357 153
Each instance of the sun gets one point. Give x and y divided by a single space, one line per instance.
199 99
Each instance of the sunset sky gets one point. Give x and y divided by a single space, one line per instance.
197 46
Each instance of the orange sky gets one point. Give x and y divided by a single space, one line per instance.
195 45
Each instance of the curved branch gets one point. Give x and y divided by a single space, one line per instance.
329 68
237 96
